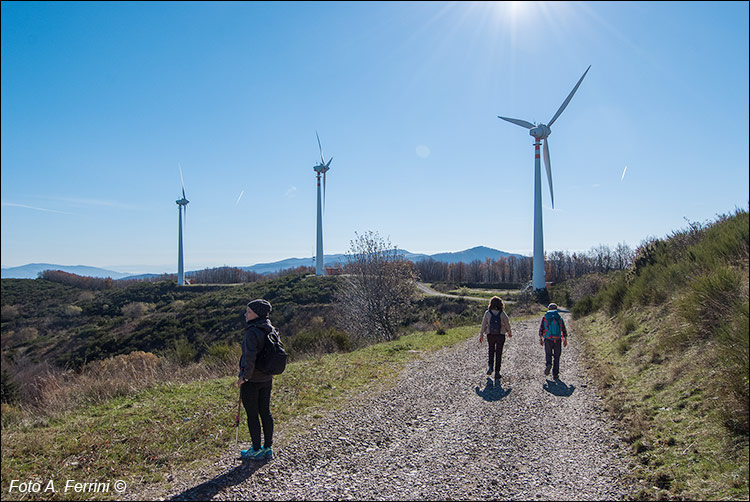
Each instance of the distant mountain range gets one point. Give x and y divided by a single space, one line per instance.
32 270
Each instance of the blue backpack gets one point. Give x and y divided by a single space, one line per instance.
495 323
554 325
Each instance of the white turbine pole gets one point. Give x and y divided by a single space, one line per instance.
319 270
180 268
538 276
181 204
320 169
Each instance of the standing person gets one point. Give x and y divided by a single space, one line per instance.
255 386
495 324
552 336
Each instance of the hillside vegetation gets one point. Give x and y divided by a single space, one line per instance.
56 338
668 342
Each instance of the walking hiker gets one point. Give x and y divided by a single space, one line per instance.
553 337
255 386
495 324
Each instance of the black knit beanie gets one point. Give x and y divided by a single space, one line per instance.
260 307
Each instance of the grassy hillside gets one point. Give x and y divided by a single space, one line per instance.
668 342
68 326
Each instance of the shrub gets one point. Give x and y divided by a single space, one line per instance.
183 353
9 312
316 340
135 310
73 310
9 389
222 355
583 307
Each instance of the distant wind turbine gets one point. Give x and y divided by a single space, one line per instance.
320 169
182 205
542 132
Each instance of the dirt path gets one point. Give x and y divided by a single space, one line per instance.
444 432
424 288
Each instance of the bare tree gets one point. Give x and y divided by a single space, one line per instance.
376 290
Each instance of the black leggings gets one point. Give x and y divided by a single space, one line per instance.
496 343
256 396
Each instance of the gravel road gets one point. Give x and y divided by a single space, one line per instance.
444 432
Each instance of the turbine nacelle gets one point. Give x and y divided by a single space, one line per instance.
182 202
541 131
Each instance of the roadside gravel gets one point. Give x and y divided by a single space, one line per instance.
443 432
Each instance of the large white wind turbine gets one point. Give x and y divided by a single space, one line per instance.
182 205
541 132
320 169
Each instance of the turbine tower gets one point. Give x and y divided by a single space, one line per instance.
320 169
542 132
182 205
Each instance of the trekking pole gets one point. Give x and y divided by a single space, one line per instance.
237 420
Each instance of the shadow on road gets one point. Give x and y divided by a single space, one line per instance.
492 391
207 490
558 388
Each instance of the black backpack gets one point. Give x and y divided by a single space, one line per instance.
272 358
495 323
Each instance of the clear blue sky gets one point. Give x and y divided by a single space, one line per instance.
100 101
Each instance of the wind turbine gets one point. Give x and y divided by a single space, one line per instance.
542 132
320 169
182 205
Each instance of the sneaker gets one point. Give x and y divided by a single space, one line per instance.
489 372
556 377
546 369
252 454
498 376
267 452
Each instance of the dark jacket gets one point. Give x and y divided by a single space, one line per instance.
253 340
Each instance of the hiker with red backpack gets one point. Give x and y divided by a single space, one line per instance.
495 324
255 385
553 337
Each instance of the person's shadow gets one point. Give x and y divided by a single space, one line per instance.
558 388
208 489
492 391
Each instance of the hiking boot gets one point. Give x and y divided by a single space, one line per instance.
546 369
252 454
267 452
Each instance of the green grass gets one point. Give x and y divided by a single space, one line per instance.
141 437
669 404
505 294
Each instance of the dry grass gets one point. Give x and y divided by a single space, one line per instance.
46 391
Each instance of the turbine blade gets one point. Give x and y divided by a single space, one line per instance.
567 100
329 162
182 181
324 192
322 161
549 171
522 123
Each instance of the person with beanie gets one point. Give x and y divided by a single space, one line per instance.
255 386
553 337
